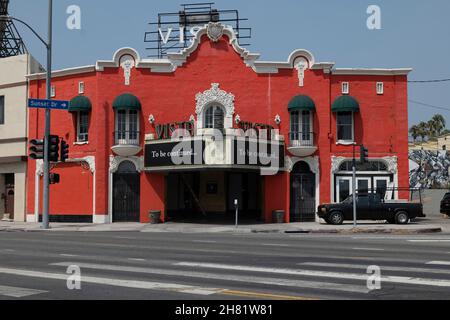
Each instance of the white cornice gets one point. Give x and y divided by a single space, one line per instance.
62 72
370 72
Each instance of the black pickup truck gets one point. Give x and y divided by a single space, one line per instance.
370 207
445 204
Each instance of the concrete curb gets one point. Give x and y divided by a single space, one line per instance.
244 230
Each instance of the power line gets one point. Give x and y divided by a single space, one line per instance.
429 81
429 105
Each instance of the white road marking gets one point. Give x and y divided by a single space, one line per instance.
368 249
15 292
147 285
67 255
364 267
441 263
325 274
204 241
227 277
136 259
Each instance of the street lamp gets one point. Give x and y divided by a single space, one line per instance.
48 45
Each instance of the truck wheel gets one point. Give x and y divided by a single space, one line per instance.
336 218
401 217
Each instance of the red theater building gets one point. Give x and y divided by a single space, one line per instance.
123 112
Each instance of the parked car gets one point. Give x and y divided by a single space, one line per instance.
370 207
445 204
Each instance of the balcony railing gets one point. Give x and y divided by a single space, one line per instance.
302 139
126 138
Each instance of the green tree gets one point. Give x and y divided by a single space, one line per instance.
423 130
414 132
438 124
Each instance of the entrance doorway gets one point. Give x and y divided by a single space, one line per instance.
208 196
303 193
126 193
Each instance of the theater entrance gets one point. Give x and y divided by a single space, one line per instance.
208 196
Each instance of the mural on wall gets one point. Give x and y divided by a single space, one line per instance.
429 169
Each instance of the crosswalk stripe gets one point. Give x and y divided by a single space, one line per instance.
16 292
442 263
113 282
325 274
364 266
227 277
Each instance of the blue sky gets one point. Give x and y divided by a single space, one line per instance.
414 34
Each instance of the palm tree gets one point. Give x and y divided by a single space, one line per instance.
432 128
415 132
423 130
439 123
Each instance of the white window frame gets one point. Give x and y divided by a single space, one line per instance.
127 139
338 189
339 141
52 91
369 184
78 128
345 88
300 141
380 88
81 87
205 113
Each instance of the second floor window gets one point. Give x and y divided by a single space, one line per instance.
2 109
127 126
83 126
301 127
214 118
345 126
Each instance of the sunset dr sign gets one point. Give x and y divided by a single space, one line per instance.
48 104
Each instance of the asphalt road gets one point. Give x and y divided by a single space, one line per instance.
117 265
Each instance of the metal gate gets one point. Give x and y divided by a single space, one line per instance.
126 193
303 194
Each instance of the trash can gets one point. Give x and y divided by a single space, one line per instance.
155 217
278 216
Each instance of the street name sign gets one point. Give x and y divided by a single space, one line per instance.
48 104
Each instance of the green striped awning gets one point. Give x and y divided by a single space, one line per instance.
345 104
127 101
80 103
301 103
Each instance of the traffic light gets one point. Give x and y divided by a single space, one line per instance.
54 178
53 149
37 149
64 151
364 154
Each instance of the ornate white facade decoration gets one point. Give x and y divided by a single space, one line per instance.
212 96
115 161
313 163
127 63
391 163
301 65
214 31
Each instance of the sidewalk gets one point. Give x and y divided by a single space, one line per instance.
434 226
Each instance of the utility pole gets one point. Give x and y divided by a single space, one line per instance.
46 193
354 187
4 17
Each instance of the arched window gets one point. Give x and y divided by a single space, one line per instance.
368 166
214 117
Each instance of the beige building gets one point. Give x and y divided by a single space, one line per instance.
13 134
444 142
